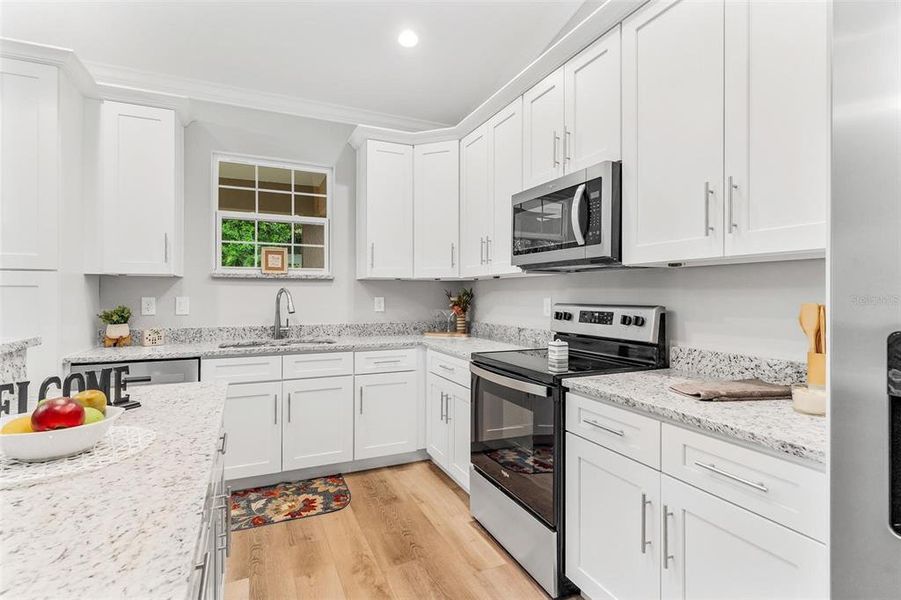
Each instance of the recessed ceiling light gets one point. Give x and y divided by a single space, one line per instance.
408 38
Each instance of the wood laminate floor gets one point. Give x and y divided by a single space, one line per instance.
407 533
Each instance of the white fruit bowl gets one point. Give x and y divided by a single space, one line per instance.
59 443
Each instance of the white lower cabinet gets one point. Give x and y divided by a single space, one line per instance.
386 414
719 550
448 427
318 425
612 528
253 421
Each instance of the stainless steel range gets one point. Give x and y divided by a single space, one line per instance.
517 426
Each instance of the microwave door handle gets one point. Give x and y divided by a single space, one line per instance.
574 215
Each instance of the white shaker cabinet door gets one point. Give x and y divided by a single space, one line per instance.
672 77
777 127
542 109
436 201
592 94
715 549
386 414
612 523
437 435
253 422
29 146
388 212
139 154
318 425
475 203
505 174
459 423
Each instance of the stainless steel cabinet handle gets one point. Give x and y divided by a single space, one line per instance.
275 406
714 469
488 249
567 144
666 555
224 438
166 248
482 251
707 193
372 255
361 399
556 140
453 261
393 361
447 399
289 407
445 367
442 407
203 567
644 523
138 379
618 432
228 522
732 187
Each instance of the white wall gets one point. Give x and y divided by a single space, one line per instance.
223 302
749 309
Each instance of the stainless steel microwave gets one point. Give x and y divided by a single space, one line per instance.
572 223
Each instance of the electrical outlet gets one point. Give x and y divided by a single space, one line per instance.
182 305
547 307
378 304
148 306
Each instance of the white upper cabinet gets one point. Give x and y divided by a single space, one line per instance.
141 170
436 202
29 180
385 210
475 203
542 109
672 77
505 179
777 127
592 116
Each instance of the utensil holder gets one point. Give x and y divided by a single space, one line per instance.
816 369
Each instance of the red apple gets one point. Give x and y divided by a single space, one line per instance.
58 413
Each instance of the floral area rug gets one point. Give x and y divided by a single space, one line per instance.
524 460
256 507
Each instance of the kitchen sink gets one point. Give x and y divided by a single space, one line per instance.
277 343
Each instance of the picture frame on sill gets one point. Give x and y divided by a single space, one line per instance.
274 260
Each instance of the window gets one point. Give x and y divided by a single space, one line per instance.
260 203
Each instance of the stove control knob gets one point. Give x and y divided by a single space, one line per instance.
558 315
567 316
625 320
638 321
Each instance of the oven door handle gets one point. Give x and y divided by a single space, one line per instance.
509 382
575 215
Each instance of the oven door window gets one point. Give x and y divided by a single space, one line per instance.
513 444
555 221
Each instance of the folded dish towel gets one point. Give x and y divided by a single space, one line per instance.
744 389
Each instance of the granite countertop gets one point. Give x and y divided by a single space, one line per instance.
130 529
18 344
771 424
459 347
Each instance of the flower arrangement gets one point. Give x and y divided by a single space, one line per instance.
117 331
460 304
116 316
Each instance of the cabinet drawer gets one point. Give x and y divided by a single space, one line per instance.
385 361
619 430
449 367
785 492
325 364
243 369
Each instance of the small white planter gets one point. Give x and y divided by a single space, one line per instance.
117 331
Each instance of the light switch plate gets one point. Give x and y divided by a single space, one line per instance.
547 307
378 304
148 306
182 305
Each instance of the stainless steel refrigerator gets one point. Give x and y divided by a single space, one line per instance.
865 300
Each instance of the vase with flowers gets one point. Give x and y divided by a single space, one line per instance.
460 303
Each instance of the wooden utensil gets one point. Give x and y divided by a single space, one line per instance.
810 315
821 330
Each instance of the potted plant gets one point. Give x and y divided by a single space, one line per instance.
117 332
460 303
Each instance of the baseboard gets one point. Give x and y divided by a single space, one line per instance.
334 469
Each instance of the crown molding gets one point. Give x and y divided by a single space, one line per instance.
62 58
207 91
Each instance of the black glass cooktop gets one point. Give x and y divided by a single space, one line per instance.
533 364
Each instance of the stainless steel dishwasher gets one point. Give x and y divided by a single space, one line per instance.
150 372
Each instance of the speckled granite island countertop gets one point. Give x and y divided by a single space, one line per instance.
128 530
771 424
459 347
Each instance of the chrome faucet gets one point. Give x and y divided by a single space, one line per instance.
278 332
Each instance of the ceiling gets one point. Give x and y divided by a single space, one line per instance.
336 53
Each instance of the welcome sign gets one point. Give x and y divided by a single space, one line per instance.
111 382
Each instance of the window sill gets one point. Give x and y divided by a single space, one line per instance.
259 275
